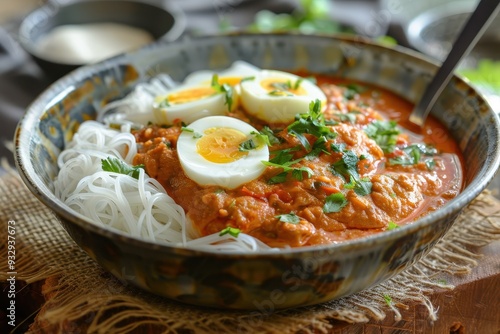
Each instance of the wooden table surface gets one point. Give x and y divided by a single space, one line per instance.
473 307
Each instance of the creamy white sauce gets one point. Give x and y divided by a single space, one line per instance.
89 43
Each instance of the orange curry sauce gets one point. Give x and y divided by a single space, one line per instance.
399 194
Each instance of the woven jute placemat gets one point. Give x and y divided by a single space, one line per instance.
83 298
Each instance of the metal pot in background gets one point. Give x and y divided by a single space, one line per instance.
161 21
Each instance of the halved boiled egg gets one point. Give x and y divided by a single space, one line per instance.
201 96
276 96
221 150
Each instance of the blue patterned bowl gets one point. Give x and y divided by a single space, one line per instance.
260 281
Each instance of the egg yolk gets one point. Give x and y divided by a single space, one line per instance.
221 145
190 95
232 81
281 86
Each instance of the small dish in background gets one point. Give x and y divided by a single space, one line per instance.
431 27
62 37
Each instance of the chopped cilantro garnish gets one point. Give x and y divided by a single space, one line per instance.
284 156
351 90
412 154
232 231
388 299
312 123
297 83
318 147
248 78
442 281
283 159
247 145
347 169
297 172
279 178
363 186
348 117
334 203
196 135
290 218
112 164
338 147
164 103
268 136
384 133
278 92
224 88
392 225
430 163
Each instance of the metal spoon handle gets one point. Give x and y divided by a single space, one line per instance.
467 39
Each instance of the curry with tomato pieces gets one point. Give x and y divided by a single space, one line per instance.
337 173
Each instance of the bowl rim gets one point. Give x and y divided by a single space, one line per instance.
38 188
51 9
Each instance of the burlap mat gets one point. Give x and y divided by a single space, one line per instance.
79 292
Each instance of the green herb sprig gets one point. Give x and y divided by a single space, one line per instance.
335 203
412 155
313 123
232 231
347 169
385 134
115 165
290 218
226 89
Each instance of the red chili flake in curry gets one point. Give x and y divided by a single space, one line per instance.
365 179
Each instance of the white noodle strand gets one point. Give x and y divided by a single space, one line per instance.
138 207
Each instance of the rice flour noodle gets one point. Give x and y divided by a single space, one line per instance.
137 207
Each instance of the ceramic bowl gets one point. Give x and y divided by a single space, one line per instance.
291 277
162 22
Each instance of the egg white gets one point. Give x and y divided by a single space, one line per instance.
206 106
278 108
226 175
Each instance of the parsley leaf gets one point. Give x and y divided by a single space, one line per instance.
248 79
318 147
247 145
283 159
363 186
313 123
164 103
349 117
224 88
279 92
279 178
196 135
388 300
297 83
338 147
351 90
112 164
335 203
297 172
384 133
392 225
431 163
412 154
268 136
290 218
347 169
232 231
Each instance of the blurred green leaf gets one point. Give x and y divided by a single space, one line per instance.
486 75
